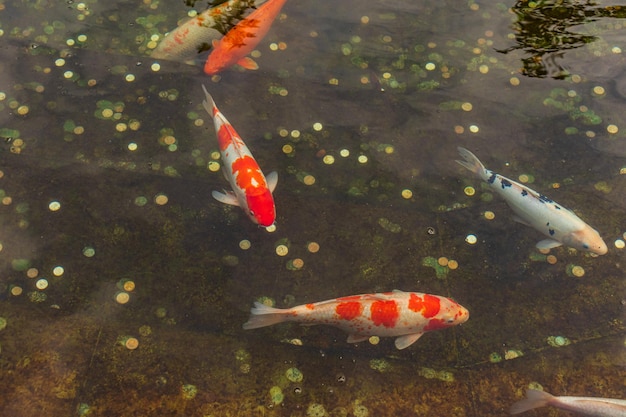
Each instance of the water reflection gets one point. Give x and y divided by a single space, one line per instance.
543 30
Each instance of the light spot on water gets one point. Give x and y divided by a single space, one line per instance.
313 247
122 297
54 206
161 199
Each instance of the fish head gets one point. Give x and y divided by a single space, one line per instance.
450 314
261 207
216 61
587 239
213 66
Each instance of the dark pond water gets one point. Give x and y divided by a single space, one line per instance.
108 162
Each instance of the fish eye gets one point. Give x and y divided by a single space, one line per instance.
450 320
585 246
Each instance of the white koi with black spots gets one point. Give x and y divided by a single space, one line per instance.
560 224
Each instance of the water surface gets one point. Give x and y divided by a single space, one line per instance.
107 167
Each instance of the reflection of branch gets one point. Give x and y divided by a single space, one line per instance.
542 32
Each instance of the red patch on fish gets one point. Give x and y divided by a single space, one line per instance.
436 324
429 306
349 310
247 173
384 313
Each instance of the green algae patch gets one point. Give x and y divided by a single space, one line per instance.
440 271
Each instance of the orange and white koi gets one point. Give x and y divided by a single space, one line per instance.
252 191
560 224
586 406
407 315
196 35
242 39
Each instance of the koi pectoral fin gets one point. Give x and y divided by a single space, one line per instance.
548 244
356 338
248 63
405 341
272 180
226 197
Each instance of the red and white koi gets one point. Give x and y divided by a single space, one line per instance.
587 406
197 34
242 39
252 191
407 315
560 224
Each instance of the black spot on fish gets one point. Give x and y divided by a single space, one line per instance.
524 193
557 207
544 199
492 178
551 231
505 183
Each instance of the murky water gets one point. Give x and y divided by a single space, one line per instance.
108 163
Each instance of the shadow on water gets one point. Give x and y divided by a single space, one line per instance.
107 163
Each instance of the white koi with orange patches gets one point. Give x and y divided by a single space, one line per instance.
407 315
252 191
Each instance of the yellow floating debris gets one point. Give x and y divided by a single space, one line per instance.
122 297
282 250
313 247
131 343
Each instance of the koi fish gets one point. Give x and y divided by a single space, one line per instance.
587 406
242 39
407 315
536 210
196 34
252 191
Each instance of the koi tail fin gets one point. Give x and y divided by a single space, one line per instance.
534 399
472 163
262 316
208 102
